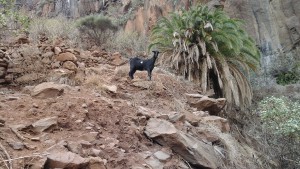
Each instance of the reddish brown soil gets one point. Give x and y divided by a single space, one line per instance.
84 109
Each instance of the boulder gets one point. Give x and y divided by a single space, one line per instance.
69 65
47 90
217 121
97 163
148 113
194 151
67 160
204 103
44 124
66 57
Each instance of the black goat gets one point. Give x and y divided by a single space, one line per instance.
139 64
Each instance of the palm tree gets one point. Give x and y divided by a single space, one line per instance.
209 48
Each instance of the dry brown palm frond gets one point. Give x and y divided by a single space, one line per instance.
176 60
231 91
197 55
202 44
244 86
204 76
208 60
216 71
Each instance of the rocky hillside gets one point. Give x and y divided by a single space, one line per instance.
90 115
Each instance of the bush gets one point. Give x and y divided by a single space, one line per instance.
285 78
281 116
97 27
281 125
59 27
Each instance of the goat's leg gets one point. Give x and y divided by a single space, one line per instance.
149 75
131 73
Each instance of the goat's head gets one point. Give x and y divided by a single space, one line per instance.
155 53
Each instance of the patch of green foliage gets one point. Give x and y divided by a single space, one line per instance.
281 116
9 15
285 78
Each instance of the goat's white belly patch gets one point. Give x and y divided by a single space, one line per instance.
141 62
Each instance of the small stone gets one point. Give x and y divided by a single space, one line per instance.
35 139
163 116
95 152
84 105
161 156
154 163
74 147
89 128
86 144
11 98
57 50
78 121
30 147
17 145
2 121
176 117
65 160
35 105
66 57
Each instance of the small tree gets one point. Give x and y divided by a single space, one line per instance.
208 47
97 27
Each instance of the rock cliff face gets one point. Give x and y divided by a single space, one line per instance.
275 25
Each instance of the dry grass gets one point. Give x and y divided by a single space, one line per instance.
127 43
59 27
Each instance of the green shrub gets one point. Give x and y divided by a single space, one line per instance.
97 27
281 116
281 129
285 78
12 20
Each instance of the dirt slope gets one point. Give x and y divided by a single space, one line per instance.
92 108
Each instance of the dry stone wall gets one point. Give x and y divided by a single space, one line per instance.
3 66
